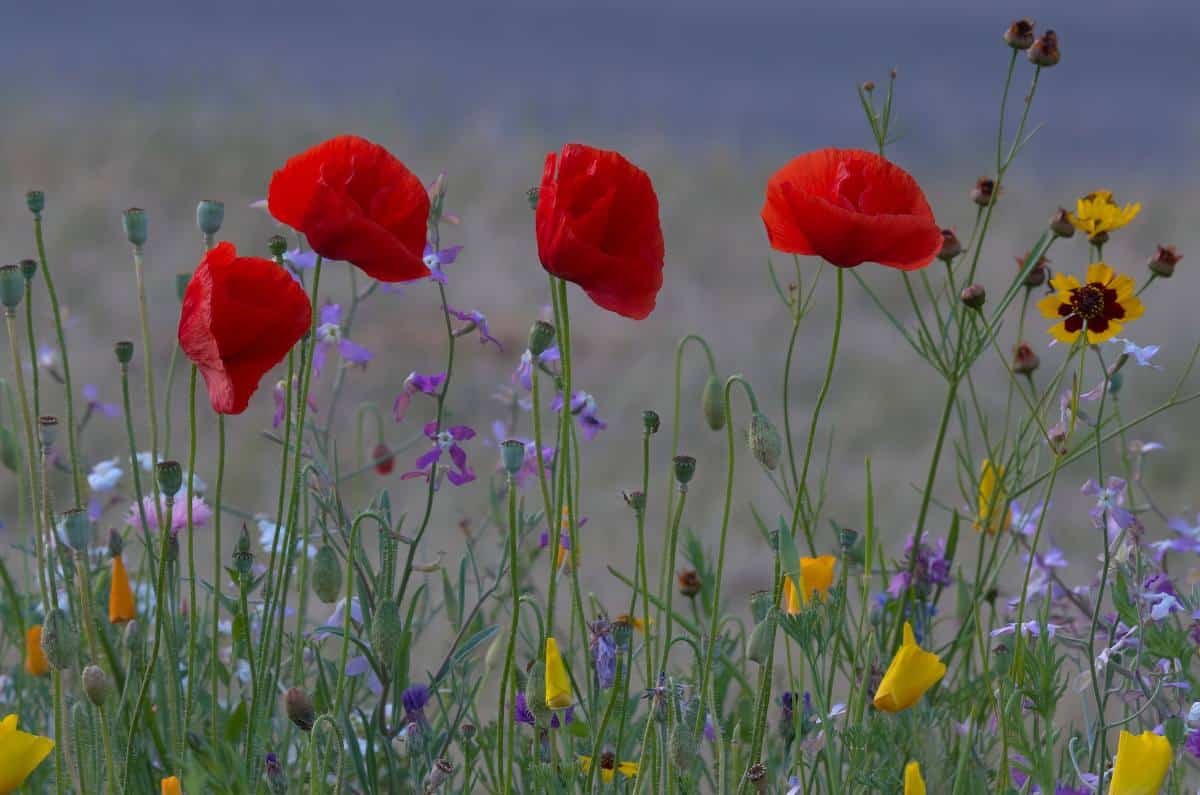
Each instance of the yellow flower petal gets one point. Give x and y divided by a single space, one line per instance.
993 502
791 597
171 786
816 574
627 769
1060 333
558 684
1095 338
1124 285
912 671
913 783
1099 272
1049 305
1064 282
1141 766
20 754
1134 308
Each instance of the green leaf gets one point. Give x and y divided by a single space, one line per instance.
10 451
236 723
473 642
789 558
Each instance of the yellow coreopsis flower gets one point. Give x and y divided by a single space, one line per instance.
912 671
913 783
1101 306
609 767
20 754
1097 213
993 514
36 663
558 684
816 575
1141 766
171 786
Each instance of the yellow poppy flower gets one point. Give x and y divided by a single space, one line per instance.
1141 766
993 515
609 767
912 672
120 595
20 754
632 621
816 574
558 685
1097 213
171 786
913 783
36 663
1102 305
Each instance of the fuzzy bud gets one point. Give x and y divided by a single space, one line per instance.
12 287
951 246
326 575
535 695
387 631
1044 51
60 643
29 268
439 774
1025 359
512 452
78 528
541 337
712 403
757 776
685 468
682 747
467 731
35 200
1019 35
123 351
299 709
974 296
984 191
243 558
651 422
132 637
209 216
689 583
136 226
531 196
764 440
96 684
1061 224
1163 262
47 431
758 648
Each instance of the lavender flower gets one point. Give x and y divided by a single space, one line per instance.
280 396
523 375
474 320
330 334
604 653
529 464
359 665
434 260
414 384
929 569
445 442
1110 500
521 713
1029 629
1192 743
1140 354
92 395
583 407
414 698
300 260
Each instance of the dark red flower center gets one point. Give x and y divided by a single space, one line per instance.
608 760
1088 301
1093 305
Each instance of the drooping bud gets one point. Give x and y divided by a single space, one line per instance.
974 296
209 216
1037 274
984 191
438 775
96 684
299 709
685 469
387 631
1061 224
60 643
385 462
78 528
758 648
764 440
1019 35
170 477
1163 262
541 337
276 778
535 695
136 226
326 575
29 269
1025 359
35 200
243 558
12 287
689 583
277 245
512 452
712 403
124 351
951 246
1045 52
651 422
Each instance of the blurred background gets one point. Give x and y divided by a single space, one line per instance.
107 106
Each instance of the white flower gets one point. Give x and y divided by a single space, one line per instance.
267 530
1193 715
105 475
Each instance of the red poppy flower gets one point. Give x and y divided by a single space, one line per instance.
354 201
240 317
850 207
597 226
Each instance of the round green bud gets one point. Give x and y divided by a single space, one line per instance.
651 422
170 477
513 454
35 200
209 216
541 337
29 268
387 631
137 226
760 604
299 708
685 468
758 648
96 684
243 557
60 642
124 351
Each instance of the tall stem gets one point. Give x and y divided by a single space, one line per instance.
148 364
507 719
216 578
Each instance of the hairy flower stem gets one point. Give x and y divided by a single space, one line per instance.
148 364
673 537
507 718
547 503
193 623
216 580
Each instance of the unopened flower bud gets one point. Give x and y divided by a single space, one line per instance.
277 245
78 528
124 351
984 191
60 643
35 200
760 604
951 246
1044 51
1061 224
847 538
209 216
385 462
1025 359
243 558
651 421
299 709
531 196
512 452
682 746
868 86
29 268
1037 274
276 778
1164 261
438 775
131 637
974 296
47 431
764 440
541 337
170 477
12 287
712 403
387 631
96 684
136 226
182 280
1019 35
758 648
467 731
636 501
685 468
326 575
689 582
535 694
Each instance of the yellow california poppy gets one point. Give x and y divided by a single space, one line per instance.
993 501
1101 306
1141 766
816 575
912 671
20 754
913 783
120 595
171 786
609 767
558 685
36 663
1097 213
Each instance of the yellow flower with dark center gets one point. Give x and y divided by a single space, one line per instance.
1101 306
1141 766
36 663
816 574
558 684
912 672
609 767
993 515
171 786
1097 213
20 754
913 783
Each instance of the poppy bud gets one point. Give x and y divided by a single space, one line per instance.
651 422
136 226
951 246
385 462
96 684
712 403
541 337
277 245
182 280
1037 274
1061 224
984 191
12 287
243 558
299 709
78 528
124 351
170 477
757 776
439 774
1019 35
29 268
387 630
1164 261
513 454
974 296
60 643
276 779
531 196
35 200
1044 51
1025 359
760 604
764 440
535 695
847 538
689 583
685 468
636 501
868 86
326 575
758 648
132 636
47 431
209 216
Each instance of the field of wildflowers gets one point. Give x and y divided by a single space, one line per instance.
290 651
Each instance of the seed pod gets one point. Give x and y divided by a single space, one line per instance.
1045 52
59 640
326 575
170 477
124 351
136 226
651 422
758 648
29 268
1019 35
689 583
535 695
757 776
764 441
685 468
12 286
209 216
277 245
541 337
387 630
299 709
512 452
439 774
96 684
35 200
712 403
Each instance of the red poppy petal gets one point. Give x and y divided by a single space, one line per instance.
336 229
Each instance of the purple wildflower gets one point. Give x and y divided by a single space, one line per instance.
434 260
568 717
475 320
523 375
357 666
414 698
445 441
330 334
300 260
930 567
1142 354
280 395
1192 743
1029 629
1110 501
1025 522
201 513
521 713
415 383
604 653
583 407
92 395
710 728
1159 583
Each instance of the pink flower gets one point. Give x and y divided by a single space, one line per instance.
201 513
